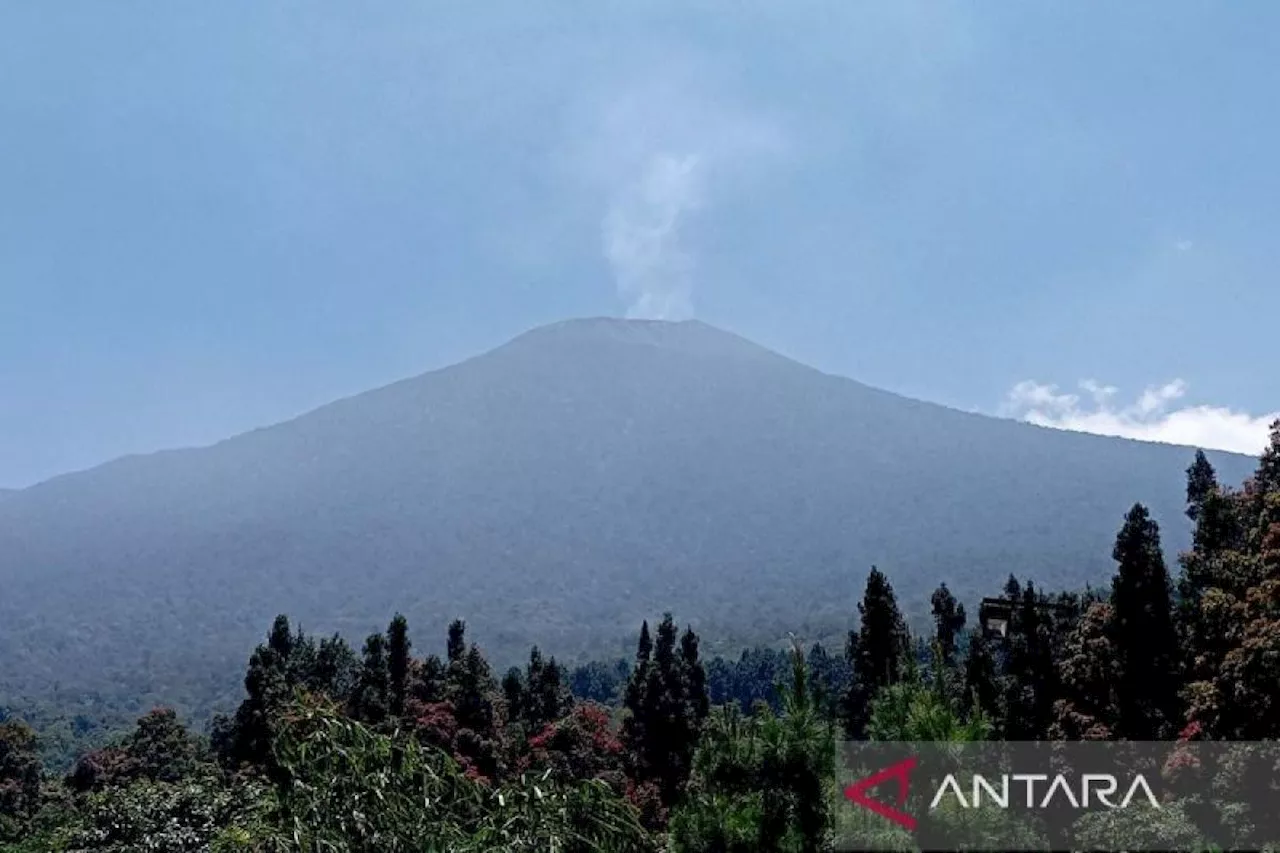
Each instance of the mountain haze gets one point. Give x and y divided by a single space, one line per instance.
559 488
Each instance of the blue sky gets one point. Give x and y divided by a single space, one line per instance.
215 216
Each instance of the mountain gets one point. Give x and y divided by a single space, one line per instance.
555 490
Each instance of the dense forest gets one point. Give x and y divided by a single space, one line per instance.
377 749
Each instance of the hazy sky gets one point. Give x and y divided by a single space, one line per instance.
217 215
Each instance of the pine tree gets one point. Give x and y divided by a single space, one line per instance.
1143 632
694 678
1030 674
513 694
457 644
981 684
666 704
246 737
428 681
876 652
948 620
372 700
470 687
336 669
883 640
546 698
398 646
854 702
633 730
662 750
1201 482
830 677
280 640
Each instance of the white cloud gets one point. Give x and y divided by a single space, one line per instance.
1151 417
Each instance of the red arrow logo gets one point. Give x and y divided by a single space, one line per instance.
857 792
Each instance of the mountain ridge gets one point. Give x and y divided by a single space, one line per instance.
557 488
584 328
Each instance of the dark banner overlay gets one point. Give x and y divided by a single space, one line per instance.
1097 795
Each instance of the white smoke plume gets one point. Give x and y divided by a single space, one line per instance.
659 153
642 238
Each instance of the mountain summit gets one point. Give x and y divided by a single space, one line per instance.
562 487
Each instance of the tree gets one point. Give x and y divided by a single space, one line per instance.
513 694
948 620
1267 478
159 749
19 776
398 646
545 697
600 682
694 678
1090 677
759 782
829 676
911 710
1143 632
457 643
372 700
581 745
472 694
883 640
877 652
336 669
1202 481
1030 674
666 704
246 737
981 684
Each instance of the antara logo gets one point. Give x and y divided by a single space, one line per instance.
1099 788
1093 789
857 792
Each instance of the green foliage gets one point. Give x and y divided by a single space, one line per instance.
1229 614
345 787
330 752
19 776
912 711
980 685
761 783
201 813
1031 676
1139 828
159 749
601 682
1089 708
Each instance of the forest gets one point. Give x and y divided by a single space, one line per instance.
378 749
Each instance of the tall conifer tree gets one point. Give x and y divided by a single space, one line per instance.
1143 632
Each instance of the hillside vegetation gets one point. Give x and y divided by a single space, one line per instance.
556 490
390 750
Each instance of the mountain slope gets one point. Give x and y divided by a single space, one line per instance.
555 490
